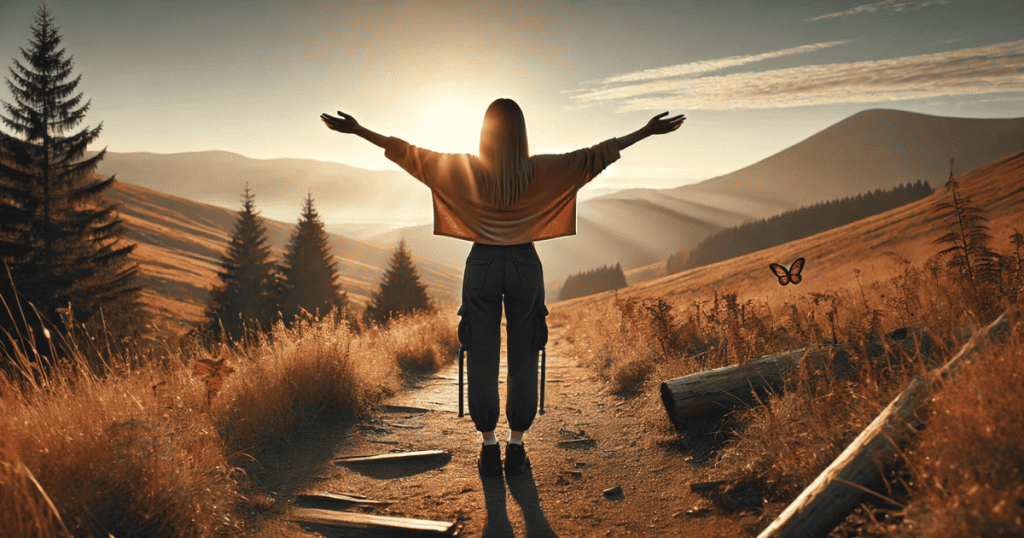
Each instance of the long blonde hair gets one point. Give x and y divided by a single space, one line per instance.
505 153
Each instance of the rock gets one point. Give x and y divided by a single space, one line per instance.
613 493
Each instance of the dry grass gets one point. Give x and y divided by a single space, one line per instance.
152 451
967 467
778 447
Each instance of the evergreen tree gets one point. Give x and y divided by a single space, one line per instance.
400 290
249 282
58 239
309 269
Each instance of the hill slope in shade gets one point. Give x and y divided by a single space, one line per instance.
869 150
179 244
640 228
878 246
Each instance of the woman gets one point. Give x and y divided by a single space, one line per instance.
503 200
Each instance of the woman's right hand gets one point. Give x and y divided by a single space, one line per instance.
657 125
343 124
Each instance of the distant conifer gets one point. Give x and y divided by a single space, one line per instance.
400 290
59 240
249 282
594 281
309 269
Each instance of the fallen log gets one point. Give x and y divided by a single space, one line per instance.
725 387
827 501
355 520
731 386
391 456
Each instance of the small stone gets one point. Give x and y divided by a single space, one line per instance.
613 492
561 481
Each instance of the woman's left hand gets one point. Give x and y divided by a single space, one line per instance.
345 123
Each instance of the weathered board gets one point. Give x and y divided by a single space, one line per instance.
391 456
404 409
340 497
834 493
357 520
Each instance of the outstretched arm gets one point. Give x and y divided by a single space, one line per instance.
656 126
345 123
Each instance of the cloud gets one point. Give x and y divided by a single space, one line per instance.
982 70
895 5
695 68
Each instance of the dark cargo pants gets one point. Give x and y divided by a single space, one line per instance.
513 275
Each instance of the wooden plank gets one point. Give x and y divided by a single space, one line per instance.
824 503
835 492
391 456
340 497
355 520
403 409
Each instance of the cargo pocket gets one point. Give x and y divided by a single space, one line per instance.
540 332
475 275
463 328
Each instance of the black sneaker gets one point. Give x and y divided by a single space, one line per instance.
489 463
516 460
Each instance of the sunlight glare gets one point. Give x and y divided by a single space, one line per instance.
452 125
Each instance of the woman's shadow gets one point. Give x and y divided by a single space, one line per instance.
524 491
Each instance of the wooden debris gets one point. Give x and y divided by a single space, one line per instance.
368 521
404 409
730 386
575 443
405 426
725 387
340 497
835 492
706 486
392 456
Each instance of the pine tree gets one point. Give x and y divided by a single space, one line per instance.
59 241
400 290
309 269
249 281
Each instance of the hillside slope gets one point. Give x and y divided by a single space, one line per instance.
877 246
179 244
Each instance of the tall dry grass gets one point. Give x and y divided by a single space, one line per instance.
158 450
781 444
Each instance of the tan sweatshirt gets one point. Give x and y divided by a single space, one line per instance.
546 210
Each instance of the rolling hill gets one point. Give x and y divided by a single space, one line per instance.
877 246
869 150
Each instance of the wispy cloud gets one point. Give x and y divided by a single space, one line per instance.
894 5
982 70
695 68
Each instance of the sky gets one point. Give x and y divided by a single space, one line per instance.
752 77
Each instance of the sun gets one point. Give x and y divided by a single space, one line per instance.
451 125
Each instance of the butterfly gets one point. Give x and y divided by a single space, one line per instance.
791 275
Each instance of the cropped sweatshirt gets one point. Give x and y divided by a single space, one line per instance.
545 210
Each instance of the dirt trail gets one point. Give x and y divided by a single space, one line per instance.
633 448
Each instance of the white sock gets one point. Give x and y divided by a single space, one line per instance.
515 438
489 438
